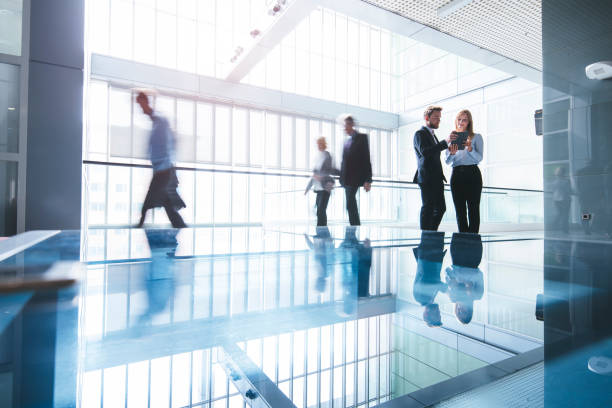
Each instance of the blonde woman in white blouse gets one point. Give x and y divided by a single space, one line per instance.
466 179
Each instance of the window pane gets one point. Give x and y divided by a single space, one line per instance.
316 26
9 108
222 195
288 69
121 28
166 40
315 133
257 139
222 134
8 198
301 144
98 32
97 126
240 136
186 60
287 140
206 49
272 140
185 132
144 31
120 121
240 210
204 139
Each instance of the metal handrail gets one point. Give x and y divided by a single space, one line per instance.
283 174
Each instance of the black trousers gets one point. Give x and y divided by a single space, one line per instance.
321 203
466 187
162 193
351 204
434 206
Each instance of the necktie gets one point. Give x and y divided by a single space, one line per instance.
434 136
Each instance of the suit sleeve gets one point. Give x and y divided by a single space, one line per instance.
426 149
367 159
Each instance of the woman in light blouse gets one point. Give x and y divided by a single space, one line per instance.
466 180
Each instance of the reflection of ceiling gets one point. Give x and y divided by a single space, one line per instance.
512 28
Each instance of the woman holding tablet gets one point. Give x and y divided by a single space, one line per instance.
466 180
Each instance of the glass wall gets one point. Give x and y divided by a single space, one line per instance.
331 56
10 26
503 114
327 56
227 137
188 35
9 143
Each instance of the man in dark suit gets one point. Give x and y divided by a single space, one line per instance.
356 169
429 174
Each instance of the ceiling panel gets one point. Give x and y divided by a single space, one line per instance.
512 28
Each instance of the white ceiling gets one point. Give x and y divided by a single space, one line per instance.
512 28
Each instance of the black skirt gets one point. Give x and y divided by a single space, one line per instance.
162 191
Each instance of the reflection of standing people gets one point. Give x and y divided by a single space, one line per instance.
160 280
464 279
429 173
356 259
466 180
356 169
322 181
427 283
323 247
162 190
561 196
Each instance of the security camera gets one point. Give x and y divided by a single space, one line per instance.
599 70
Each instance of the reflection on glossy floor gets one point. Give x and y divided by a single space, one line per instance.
319 317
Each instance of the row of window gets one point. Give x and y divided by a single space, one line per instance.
327 55
219 134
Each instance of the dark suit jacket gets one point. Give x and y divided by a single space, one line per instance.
356 167
428 156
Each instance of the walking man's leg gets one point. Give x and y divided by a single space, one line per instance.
174 217
351 204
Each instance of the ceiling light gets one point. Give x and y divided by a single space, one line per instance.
454 5
11 108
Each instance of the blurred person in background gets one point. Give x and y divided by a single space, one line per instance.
162 190
356 169
322 180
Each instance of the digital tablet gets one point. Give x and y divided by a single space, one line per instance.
460 140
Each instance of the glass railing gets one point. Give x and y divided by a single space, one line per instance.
401 201
114 193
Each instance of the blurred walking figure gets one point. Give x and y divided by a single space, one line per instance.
162 190
322 181
356 169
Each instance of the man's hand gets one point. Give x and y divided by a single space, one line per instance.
451 137
367 186
468 144
452 149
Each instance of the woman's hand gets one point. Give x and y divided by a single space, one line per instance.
468 144
452 149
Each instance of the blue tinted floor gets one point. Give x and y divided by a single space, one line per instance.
292 316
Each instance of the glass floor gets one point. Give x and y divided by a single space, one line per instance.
279 317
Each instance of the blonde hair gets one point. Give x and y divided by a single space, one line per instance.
431 109
470 126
